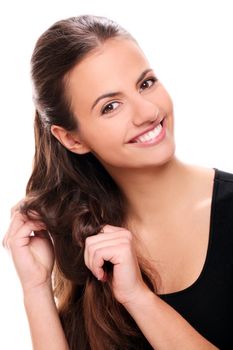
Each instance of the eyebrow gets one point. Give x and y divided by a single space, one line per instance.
113 94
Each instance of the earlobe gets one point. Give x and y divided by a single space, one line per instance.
69 140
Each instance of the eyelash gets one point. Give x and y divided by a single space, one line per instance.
152 79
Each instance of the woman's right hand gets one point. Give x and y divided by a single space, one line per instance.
32 251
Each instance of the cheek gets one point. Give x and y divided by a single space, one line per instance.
165 100
171 115
106 143
170 104
101 139
167 104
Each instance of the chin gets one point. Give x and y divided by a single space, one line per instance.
167 151
166 156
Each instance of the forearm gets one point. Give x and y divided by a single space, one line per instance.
45 326
165 328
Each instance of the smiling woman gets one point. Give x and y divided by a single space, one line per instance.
128 109
142 242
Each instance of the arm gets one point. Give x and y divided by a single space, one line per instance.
164 328
45 327
33 258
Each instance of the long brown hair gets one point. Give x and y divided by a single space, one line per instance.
74 195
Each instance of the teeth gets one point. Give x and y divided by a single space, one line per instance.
150 135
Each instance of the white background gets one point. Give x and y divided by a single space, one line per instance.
189 44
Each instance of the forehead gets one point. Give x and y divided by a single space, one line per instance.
107 69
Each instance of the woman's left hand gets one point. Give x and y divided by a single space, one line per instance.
116 245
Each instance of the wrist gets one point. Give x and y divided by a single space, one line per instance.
140 298
38 292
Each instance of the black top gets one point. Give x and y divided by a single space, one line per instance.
208 303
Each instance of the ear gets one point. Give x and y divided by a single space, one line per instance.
69 140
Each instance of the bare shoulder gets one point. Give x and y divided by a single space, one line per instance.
201 179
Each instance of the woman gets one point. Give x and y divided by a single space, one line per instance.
142 242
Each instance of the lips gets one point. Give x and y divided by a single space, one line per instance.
149 134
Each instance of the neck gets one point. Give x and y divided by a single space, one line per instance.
154 190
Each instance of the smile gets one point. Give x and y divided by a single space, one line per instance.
153 136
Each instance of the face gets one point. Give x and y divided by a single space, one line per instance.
125 115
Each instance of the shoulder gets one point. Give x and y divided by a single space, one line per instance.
223 176
223 194
224 182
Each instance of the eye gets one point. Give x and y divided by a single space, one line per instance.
146 84
110 107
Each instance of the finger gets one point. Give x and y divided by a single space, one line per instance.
32 226
21 237
101 237
111 229
17 206
101 255
44 234
115 231
18 220
110 235
91 248
15 224
118 232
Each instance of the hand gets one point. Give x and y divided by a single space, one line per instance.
33 255
116 245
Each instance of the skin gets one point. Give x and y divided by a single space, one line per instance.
33 257
129 113
152 179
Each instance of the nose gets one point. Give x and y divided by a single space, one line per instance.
144 111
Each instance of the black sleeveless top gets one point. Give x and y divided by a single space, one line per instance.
208 303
